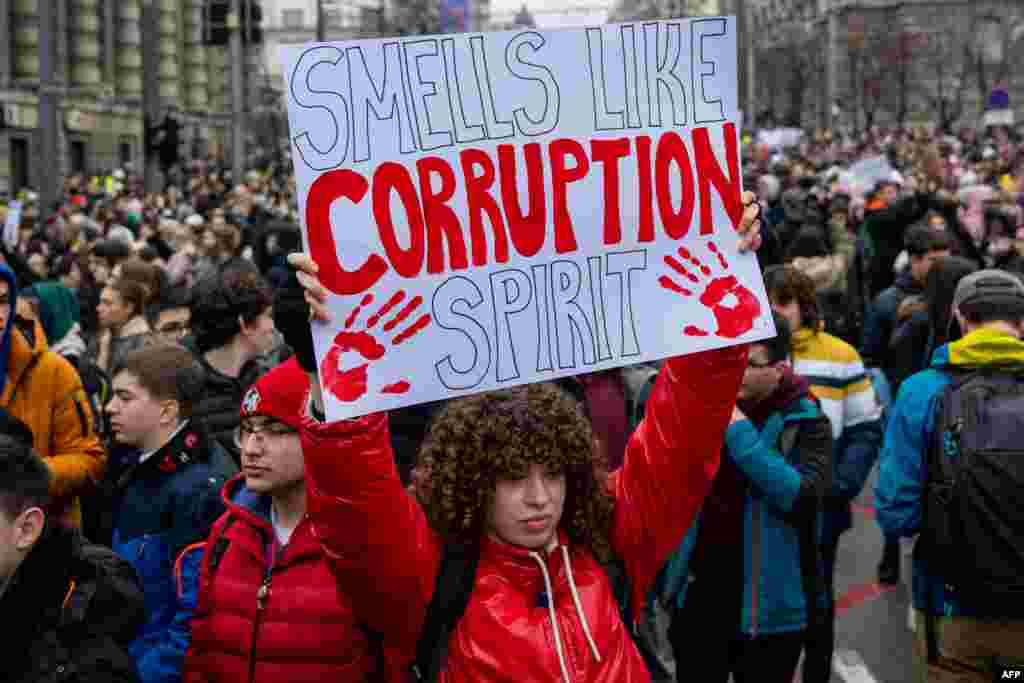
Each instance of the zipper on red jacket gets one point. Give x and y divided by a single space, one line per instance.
755 563
262 595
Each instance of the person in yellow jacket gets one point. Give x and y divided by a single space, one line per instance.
45 392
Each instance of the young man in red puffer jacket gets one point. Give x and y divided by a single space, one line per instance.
263 603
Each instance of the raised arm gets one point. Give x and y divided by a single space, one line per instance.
379 546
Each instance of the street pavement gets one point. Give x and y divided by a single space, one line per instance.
872 620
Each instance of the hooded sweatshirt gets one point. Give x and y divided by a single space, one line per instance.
58 313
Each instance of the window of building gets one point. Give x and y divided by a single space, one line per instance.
19 164
124 151
292 18
77 154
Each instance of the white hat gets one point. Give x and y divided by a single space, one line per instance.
122 234
194 221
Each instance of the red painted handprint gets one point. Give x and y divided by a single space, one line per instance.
349 384
734 318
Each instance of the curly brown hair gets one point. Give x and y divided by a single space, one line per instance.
786 284
479 439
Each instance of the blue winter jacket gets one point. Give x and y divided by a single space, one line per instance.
909 433
161 506
781 520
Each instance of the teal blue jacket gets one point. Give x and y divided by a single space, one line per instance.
782 514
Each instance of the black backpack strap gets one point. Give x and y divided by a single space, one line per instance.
622 589
453 587
220 545
375 639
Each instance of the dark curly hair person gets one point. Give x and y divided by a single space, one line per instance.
515 476
480 441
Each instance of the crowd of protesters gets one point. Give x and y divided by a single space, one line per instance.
173 505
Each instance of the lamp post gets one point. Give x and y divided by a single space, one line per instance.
237 93
49 103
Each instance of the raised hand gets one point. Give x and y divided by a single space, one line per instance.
750 227
316 294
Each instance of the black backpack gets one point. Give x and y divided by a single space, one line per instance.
97 387
973 530
453 587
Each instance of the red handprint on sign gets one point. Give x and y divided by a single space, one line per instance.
349 384
734 315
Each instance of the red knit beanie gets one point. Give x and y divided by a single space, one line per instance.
280 394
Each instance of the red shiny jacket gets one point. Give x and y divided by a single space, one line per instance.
302 631
380 546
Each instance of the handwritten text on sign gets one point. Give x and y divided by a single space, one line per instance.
491 210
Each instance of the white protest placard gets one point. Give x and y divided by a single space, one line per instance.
12 223
998 117
779 138
866 173
489 210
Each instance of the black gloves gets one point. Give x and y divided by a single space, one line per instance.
291 318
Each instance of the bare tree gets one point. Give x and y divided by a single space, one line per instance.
803 69
409 18
867 77
946 66
987 52
645 10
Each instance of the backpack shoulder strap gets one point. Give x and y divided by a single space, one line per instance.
453 587
621 585
787 440
220 544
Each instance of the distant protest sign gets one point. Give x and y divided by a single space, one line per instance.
867 173
489 210
779 138
12 224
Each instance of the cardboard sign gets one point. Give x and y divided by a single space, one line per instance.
12 223
489 210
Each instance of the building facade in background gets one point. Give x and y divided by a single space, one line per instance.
858 63
288 22
639 10
98 72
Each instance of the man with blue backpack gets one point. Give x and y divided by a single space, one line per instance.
952 471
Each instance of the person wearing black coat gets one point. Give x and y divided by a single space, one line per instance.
71 607
916 338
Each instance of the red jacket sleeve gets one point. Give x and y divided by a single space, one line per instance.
378 543
671 459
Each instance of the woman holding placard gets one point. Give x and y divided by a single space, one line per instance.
505 568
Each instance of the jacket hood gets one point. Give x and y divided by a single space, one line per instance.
72 344
907 283
58 309
7 275
249 505
982 348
